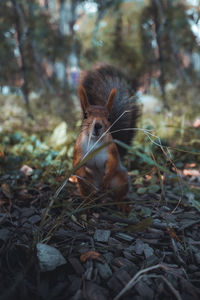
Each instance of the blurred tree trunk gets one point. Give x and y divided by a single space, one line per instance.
160 21
175 50
118 35
40 70
100 14
21 34
22 29
46 4
103 6
67 19
38 60
163 24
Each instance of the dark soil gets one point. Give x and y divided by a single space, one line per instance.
154 253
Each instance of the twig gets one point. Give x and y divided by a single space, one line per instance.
174 291
135 278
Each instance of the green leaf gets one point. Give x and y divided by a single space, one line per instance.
141 190
134 172
141 226
145 211
153 188
192 201
59 135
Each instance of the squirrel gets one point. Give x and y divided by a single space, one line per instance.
109 112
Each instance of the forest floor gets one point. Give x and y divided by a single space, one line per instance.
55 246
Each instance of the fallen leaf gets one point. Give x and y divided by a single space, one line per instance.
173 234
153 188
24 195
141 190
189 172
148 177
96 215
2 202
1 151
192 201
28 171
141 226
7 190
73 179
196 123
91 255
59 135
192 165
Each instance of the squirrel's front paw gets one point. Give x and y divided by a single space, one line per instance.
104 186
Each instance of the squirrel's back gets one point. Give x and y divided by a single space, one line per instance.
98 84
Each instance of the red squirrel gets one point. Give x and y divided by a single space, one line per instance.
108 109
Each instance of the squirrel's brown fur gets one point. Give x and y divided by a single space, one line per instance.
105 94
98 84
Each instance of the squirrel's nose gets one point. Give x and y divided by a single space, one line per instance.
97 126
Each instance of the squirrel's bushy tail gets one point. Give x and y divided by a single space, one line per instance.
98 84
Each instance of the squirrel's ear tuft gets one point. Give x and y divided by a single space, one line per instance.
110 101
83 98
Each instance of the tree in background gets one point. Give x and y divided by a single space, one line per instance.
33 44
42 40
168 39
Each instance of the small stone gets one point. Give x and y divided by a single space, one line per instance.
4 234
144 290
34 219
124 236
94 291
49 257
197 257
123 276
148 251
139 247
104 270
78 268
108 257
114 284
27 212
101 235
152 260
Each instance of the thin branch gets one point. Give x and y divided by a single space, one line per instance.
138 275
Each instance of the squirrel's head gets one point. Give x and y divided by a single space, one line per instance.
96 119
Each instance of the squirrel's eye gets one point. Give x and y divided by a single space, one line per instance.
85 115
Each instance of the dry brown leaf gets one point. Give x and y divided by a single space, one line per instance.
73 179
2 202
173 234
6 190
190 172
96 215
148 177
196 123
24 195
192 165
91 255
26 170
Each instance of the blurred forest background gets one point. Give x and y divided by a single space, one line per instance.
45 44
